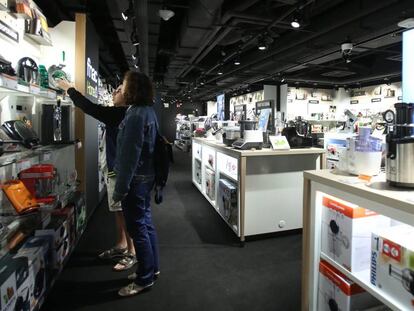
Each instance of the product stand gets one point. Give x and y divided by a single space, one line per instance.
262 178
398 204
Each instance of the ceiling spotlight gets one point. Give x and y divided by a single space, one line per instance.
237 60
128 13
261 44
134 38
133 57
283 79
296 20
220 72
166 14
136 66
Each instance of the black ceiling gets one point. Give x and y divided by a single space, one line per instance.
183 55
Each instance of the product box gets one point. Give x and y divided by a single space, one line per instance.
46 245
69 213
24 284
197 171
58 229
337 292
61 253
392 263
210 184
8 290
78 201
37 271
227 201
346 232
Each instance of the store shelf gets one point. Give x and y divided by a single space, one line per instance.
10 87
228 176
362 278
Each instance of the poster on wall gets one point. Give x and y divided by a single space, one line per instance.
220 107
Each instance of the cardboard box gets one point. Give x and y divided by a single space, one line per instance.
346 232
337 292
210 184
69 213
10 271
58 229
45 244
24 283
227 202
392 263
37 271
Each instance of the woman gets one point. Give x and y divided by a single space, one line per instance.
123 251
134 167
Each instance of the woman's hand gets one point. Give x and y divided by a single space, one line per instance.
64 84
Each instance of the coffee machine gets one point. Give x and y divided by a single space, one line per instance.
400 146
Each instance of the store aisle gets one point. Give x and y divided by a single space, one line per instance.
202 266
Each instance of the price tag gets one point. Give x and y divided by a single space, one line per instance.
279 142
47 156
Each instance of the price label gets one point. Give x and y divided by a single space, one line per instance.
47 156
279 142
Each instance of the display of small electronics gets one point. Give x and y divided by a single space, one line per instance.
40 180
20 197
20 131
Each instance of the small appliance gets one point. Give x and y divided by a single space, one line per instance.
27 70
40 180
20 197
19 130
6 67
230 134
400 146
295 139
210 184
252 139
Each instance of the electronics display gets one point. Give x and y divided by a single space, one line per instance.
40 180
337 292
20 197
27 70
210 184
346 232
21 131
392 263
227 202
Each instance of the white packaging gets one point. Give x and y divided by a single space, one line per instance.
210 184
392 263
337 292
197 171
346 232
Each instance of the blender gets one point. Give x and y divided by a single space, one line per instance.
400 146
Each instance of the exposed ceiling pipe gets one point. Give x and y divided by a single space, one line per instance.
141 13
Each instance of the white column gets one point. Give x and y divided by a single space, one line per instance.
408 67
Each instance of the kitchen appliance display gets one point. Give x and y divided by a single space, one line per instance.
40 180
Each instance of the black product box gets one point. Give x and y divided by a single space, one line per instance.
58 229
69 213
13 275
78 202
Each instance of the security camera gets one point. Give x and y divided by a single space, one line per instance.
346 48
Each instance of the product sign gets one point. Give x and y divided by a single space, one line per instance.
314 101
279 142
91 79
375 100
9 32
354 102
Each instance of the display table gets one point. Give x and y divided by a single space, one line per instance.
377 196
254 191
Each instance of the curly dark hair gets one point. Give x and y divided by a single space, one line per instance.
138 89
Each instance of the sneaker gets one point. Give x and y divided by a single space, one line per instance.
133 276
133 289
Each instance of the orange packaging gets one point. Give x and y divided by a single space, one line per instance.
19 196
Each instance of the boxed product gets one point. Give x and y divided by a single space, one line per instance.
227 201
45 245
60 253
58 229
210 184
392 263
197 171
13 277
346 232
24 282
69 213
78 201
37 271
337 292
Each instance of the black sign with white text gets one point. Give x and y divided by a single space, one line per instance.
9 32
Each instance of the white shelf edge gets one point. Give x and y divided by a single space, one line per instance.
228 176
16 92
360 279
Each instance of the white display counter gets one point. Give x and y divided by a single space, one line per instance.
268 185
377 196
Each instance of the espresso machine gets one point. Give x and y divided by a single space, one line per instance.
251 138
297 133
400 146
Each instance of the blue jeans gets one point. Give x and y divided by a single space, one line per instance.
138 219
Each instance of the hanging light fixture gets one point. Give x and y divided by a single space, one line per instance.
261 44
296 20
237 61
128 13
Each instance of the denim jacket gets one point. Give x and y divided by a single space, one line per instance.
135 148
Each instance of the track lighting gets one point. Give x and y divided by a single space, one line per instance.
166 14
220 71
237 60
261 44
296 20
128 13
134 39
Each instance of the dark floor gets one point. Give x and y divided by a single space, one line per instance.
202 265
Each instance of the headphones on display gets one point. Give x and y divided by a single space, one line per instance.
28 70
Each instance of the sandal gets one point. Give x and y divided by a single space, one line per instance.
113 253
127 262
